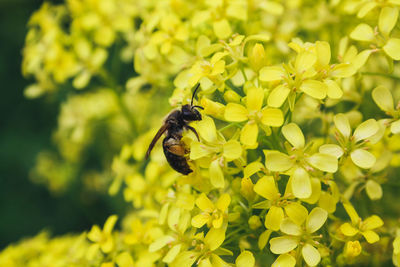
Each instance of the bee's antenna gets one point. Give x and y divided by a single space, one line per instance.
200 107
194 93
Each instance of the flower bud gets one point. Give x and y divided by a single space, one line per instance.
254 222
257 57
352 249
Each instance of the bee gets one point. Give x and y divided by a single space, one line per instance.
173 126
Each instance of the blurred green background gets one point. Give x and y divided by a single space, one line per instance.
26 127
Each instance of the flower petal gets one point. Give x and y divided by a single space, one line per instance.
333 89
266 188
372 222
245 259
342 124
315 89
216 174
323 52
283 244
255 98
249 134
290 228
348 230
365 130
272 117
311 255
222 29
304 61
395 127
370 236
363 32
387 19
235 112
296 212
199 150
109 224
232 150
185 259
323 162
363 158
293 134
214 238
316 191
252 168
374 190
301 184
392 48
206 129
383 98
170 256
316 219
277 161
274 218
284 260
223 202
272 73
331 149
160 243
204 203
278 96
355 219
200 219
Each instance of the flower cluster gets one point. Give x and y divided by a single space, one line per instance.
293 128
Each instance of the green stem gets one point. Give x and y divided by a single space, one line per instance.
244 74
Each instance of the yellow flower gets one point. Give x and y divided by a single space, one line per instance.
364 227
254 114
301 235
205 250
212 215
102 239
354 144
267 188
298 163
214 152
383 98
310 73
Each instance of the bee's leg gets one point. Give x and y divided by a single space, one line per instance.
193 130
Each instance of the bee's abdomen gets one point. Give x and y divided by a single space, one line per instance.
177 162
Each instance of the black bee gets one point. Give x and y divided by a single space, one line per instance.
174 124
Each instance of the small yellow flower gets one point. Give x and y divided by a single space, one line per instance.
384 99
214 151
354 144
102 239
301 235
364 227
204 251
298 163
212 215
254 114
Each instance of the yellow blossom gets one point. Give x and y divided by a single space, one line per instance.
212 215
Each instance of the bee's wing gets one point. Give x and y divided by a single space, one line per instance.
156 137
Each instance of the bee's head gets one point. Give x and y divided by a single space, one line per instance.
190 113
